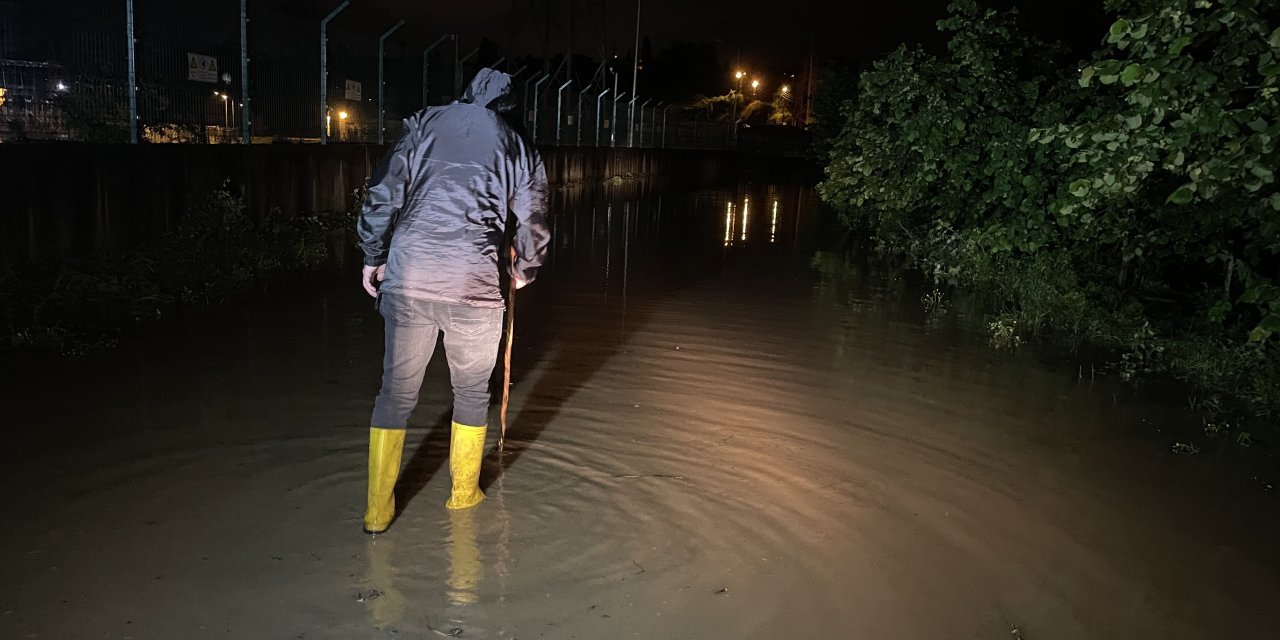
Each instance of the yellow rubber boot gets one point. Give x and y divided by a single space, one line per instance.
385 447
466 448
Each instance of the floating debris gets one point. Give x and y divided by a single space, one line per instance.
723 590
455 632
373 594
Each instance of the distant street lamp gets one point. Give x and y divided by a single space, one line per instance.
755 84
226 107
785 94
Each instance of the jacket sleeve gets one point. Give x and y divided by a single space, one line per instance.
387 187
529 205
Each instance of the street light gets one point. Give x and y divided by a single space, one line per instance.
226 116
755 84
737 91
785 94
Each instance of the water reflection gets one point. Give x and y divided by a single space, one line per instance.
728 222
382 592
773 225
466 565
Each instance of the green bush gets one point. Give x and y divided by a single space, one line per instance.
1129 201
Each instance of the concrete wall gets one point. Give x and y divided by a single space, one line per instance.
62 200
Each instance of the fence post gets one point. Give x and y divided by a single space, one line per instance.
664 125
524 115
559 102
133 77
578 121
324 71
613 124
598 98
457 93
426 67
631 120
382 111
642 106
245 134
535 105
653 123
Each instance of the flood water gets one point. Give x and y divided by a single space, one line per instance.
712 436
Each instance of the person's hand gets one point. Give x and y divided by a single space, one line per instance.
519 283
371 276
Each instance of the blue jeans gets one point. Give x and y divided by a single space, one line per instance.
471 339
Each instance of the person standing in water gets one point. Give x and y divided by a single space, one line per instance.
432 232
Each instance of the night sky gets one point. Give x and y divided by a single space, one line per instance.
772 34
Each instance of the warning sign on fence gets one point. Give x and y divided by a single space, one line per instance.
353 90
202 68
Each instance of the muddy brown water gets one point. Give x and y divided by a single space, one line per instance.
710 438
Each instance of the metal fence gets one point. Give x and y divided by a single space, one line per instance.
225 71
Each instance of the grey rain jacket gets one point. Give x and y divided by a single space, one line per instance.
439 202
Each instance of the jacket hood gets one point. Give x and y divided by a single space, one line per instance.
492 89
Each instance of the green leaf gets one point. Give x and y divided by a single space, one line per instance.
1108 78
1263 173
1183 195
1133 122
1270 70
1086 75
1274 40
1178 45
1079 188
1131 74
1120 27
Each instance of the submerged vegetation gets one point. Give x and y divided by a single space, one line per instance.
216 250
1128 201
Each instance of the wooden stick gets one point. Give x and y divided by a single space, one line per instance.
511 332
